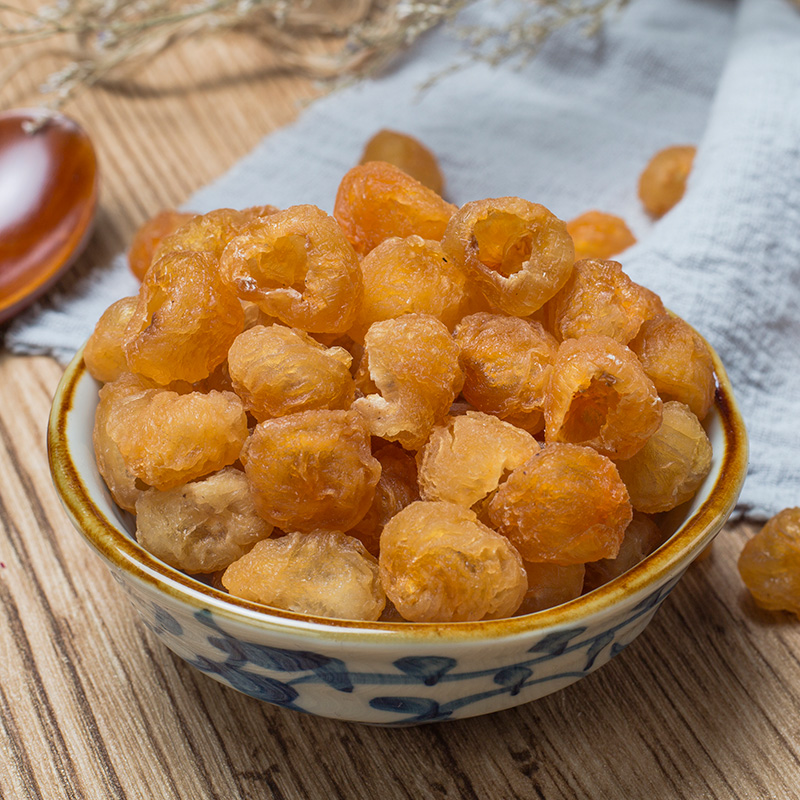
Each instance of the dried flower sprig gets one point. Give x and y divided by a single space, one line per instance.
108 38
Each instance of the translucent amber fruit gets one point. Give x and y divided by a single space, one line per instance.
104 354
412 362
202 526
770 563
407 153
439 564
599 396
642 537
567 505
599 298
597 234
516 252
298 266
397 487
278 370
507 363
410 275
673 463
551 585
48 195
663 181
184 322
323 573
165 438
312 469
376 201
467 457
678 362
149 236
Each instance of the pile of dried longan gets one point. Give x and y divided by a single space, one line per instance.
404 411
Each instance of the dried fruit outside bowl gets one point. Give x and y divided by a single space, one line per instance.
383 673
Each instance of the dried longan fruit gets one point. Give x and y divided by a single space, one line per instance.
166 438
673 463
438 563
184 322
410 376
298 266
597 234
663 181
466 457
550 585
678 361
600 396
407 153
396 488
516 252
770 563
202 526
599 298
507 363
567 505
322 573
312 469
104 354
377 201
149 236
642 537
278 370
410 275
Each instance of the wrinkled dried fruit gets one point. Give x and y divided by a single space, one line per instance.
551 585
599 298
184 322
673 463
323 573
642 537
165 438
516 252
599 396
376 201
567 504
410 275
202 526
412 363
148 238
104 354
397 487
278 371
407 153
596 234
770 563
663 181
678 362
507 363
298 266
312 469
439 564
466 457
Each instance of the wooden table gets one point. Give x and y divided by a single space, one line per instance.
703 705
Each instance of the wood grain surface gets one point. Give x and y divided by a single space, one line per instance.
705 704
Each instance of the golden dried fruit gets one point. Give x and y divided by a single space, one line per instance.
439 564
550 585
408 154
149 236
516 252
599 396
202 526
663 181
104 354
312 469
597 234
567 505
323 573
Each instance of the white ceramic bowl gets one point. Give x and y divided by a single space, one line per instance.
383 673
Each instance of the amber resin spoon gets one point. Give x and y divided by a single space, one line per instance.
48 196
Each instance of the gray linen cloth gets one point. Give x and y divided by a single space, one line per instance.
572 129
